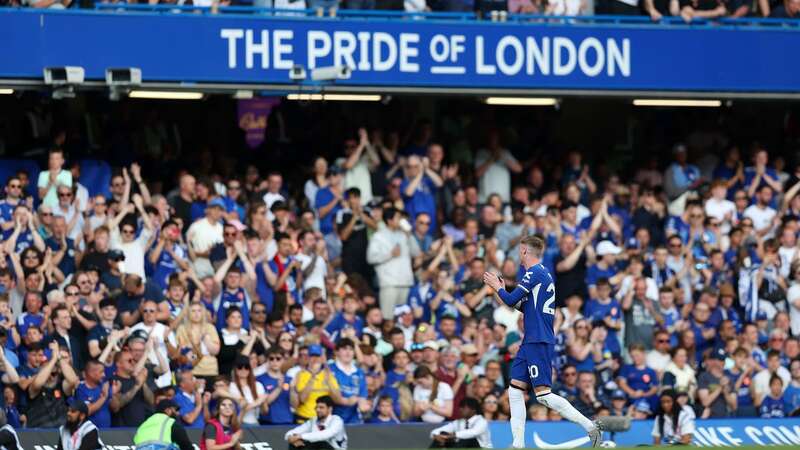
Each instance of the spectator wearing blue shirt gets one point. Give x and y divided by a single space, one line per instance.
328 201
791 395
759 175
25 234
604 268
419 189
347 318
680 176
104 327
13 198
203 190
168 256
32 317
608 311
62 246
384 414
233 192
741 376
731 170
352 384
96 393
277 385
189 399
637 380
772 404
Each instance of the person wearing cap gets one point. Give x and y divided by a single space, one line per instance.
168 256
78 433
714 389
162 430
641 409
203 234
325 430
674 423
312 383
470 431
618 402
681 176
604 268
123 236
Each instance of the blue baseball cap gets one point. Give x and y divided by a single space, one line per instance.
315 350
643 406
218 202
618 394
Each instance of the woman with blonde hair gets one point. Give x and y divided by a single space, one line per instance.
201 337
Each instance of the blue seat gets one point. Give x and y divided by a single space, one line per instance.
96 177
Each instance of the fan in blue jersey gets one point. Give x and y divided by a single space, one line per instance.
535 297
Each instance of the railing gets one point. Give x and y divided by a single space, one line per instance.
452 16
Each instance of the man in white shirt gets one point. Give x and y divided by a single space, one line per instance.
761 213
761 380
471 431
273 194
493 167
312 260
390 250
720 207
160 334
326 431
53 177
658 358
203 235
123 237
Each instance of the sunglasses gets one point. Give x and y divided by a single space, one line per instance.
276 358
65 194
662 341
117 184
71 293
233 234
674 245
149 311
287 340
46 214
127 231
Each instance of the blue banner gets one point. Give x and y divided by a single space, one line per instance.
414 53
709 433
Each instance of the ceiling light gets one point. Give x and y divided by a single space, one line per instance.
521 101
335 97
167 95
677 102
6 91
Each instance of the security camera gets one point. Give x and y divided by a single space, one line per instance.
297 73
331 73
63 76
125 76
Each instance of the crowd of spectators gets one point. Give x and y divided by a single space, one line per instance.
366 285
495 10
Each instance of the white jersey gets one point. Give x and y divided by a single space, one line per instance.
475 427
330 430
